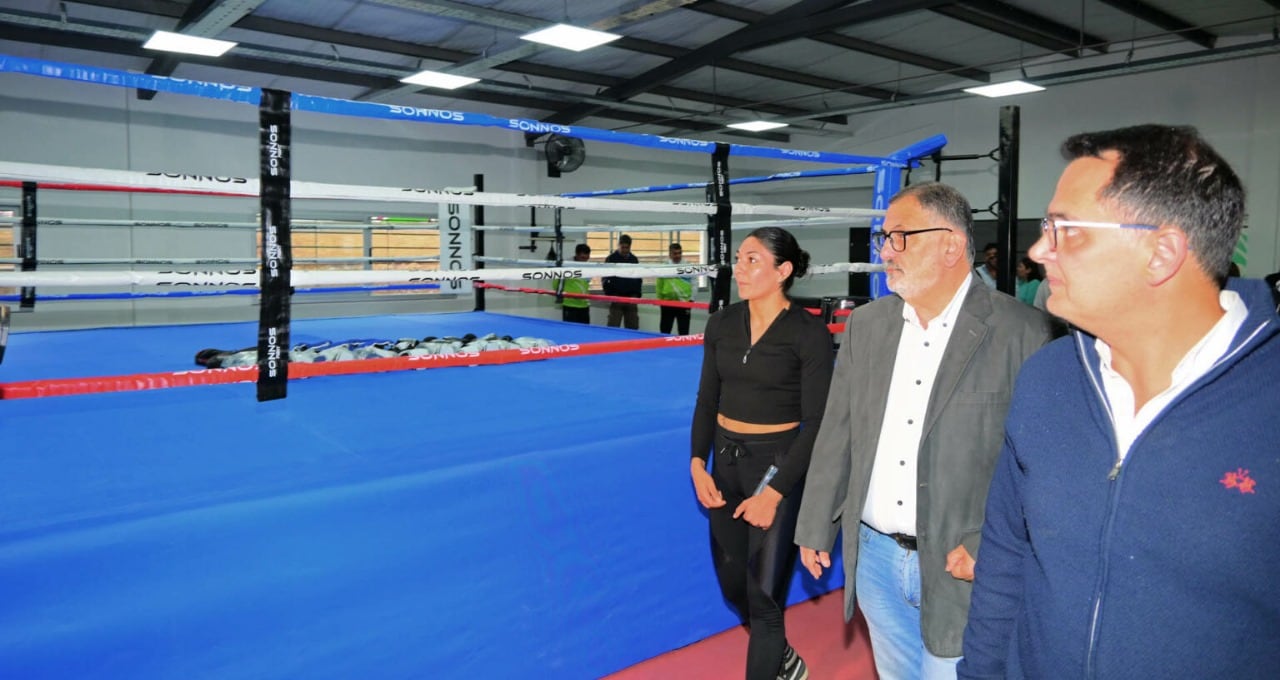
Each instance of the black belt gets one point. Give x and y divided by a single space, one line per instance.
904 541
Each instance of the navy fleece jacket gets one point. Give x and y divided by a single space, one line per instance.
1166 569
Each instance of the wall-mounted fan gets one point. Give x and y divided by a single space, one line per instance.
564 154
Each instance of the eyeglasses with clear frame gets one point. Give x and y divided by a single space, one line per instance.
1050 226
898 239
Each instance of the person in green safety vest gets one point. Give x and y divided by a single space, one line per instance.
675 288
576 310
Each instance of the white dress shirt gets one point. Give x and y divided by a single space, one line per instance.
1197 362
891 498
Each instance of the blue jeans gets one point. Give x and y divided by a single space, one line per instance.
888 592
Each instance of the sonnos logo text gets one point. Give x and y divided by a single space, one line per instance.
201 178
557 349
273 353
535 126
437 114
565 274
274 152
677 141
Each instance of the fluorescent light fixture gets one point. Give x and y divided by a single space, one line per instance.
187 44
757 125
1004 89
570 37
444 81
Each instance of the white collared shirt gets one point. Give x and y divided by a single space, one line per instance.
1197 362
891 499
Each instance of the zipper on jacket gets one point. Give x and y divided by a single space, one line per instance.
1105 539
1114 477
1103 569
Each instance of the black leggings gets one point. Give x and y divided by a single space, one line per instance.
754 566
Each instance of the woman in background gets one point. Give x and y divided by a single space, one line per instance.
1029 278
766 368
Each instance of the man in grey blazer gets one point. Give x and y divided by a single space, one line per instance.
912 429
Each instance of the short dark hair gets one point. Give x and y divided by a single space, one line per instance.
947 203
624 240
785 248
676 246
1032 267
582 249
1168 174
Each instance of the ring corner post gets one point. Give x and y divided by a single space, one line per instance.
719 226
888 181
1007 197
478 180
277 258
457 247
27 243
4 335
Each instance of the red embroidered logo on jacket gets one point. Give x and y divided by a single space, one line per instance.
1239 480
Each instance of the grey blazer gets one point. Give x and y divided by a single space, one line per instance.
963 433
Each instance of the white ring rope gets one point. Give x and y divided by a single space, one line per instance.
135 180
179 261
300 224
737 226
307 277
381 223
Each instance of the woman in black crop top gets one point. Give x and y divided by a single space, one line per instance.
766 367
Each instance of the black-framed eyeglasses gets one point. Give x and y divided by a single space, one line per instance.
898 239
1050 226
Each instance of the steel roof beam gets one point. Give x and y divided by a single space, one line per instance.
748 16
1022 25
202 19
1166 21
796 21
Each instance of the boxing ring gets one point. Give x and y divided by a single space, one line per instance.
523 521
528 520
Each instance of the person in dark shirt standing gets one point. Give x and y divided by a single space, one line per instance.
765 371
620 286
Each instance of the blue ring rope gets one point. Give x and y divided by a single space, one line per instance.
303 102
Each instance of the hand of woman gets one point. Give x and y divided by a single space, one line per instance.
758 510
708 495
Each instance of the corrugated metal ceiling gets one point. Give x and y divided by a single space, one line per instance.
682 67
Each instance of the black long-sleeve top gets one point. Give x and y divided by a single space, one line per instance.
622 286
783 378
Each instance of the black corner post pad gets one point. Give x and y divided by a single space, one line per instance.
1007 198
719 226
478 180
27 243
4 334
558 225
277 258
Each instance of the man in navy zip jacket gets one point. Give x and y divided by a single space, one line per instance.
1133 522
622 313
